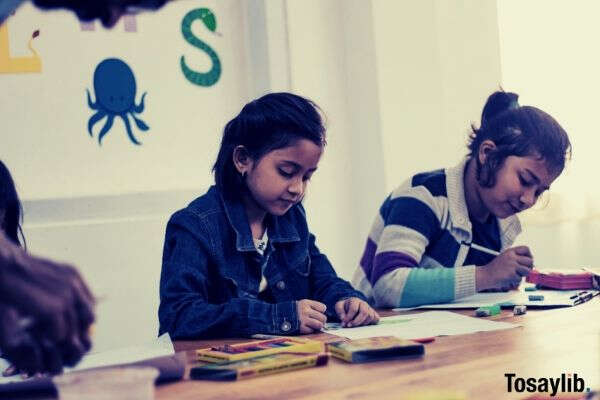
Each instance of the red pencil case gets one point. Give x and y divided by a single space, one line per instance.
562 280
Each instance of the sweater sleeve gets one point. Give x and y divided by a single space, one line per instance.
410 220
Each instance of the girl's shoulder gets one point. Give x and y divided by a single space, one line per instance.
433 183
209 202
200 208
422 193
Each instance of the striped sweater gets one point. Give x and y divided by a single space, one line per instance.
418 244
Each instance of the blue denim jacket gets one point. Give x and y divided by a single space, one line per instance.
211 272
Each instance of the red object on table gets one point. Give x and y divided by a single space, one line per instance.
562 280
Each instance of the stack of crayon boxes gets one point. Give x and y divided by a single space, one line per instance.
247 360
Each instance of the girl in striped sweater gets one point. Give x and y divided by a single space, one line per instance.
447 234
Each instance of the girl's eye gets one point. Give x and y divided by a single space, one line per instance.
306 178
286 174
524 182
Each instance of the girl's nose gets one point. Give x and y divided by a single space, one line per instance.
296 187
528 198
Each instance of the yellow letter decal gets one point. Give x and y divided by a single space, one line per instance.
12 65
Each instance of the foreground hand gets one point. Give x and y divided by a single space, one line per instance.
45 311
311 315
355 312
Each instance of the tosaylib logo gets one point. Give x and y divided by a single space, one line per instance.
566 383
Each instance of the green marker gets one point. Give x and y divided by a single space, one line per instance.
494 310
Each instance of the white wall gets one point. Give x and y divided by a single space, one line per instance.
332 62
555 67
116 241
437 63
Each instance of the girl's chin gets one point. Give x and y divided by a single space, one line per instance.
506 211
279 209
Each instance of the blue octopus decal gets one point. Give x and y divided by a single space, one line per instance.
114 86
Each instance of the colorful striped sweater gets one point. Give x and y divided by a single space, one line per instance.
419 242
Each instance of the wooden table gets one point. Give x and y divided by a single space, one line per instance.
549 343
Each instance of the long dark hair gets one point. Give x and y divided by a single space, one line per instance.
11 205
268 123
516 131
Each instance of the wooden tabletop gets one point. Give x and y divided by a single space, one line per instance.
548 344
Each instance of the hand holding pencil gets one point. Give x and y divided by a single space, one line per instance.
506 270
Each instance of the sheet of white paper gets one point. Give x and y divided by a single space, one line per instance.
162 346
420 325
552 298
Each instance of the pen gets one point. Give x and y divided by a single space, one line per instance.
576 295
583 299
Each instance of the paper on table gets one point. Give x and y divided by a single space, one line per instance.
160 347
552 298
414 326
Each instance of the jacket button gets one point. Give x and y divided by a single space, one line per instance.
286 326
281 285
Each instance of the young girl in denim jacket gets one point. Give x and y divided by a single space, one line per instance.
447 234
240 259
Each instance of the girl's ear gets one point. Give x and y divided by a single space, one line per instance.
485 148
242 159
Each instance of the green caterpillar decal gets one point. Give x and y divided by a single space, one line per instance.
208 18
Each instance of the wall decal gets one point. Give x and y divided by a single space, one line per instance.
115 90
208 18
129 22
15 65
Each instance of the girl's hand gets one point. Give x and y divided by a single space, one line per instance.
355 312
45 312
506 270
311 315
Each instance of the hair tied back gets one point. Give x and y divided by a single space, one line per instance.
498 103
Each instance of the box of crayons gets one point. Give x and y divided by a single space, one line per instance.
257 366
242 351
375 349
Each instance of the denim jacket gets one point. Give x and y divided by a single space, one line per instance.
211 272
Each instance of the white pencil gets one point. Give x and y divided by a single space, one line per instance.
484 249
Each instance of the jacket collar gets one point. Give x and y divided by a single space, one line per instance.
280 229
510 227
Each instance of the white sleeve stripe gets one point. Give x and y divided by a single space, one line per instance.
398 238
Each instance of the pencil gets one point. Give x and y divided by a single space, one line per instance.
485 249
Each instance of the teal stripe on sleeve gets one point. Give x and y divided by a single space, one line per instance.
428 286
